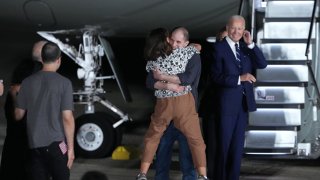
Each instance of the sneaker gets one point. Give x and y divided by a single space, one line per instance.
141 176
201 177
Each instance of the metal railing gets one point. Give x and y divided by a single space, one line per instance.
253 6
309 62
240 10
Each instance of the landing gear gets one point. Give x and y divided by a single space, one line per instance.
97 134
95 137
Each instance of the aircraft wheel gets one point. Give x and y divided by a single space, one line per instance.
94 135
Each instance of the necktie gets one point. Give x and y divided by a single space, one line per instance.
237 52
239 63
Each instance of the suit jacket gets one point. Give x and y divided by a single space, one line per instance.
225 72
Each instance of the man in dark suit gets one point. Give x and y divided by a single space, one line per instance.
232 72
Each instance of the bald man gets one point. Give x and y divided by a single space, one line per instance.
179 39
36 50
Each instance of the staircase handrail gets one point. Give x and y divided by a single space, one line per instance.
311 27
307 53
241 7
240 12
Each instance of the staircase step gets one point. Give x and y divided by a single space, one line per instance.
287 30
287 19
261 151
284 51
273 128
273 40
289 8
283 73
270 139
288 62
279 95
281 105
274 117
290 0
298 84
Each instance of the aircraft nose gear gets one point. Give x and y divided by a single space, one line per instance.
97 133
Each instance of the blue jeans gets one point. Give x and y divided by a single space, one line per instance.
164 153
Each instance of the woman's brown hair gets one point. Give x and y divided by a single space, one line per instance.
157 45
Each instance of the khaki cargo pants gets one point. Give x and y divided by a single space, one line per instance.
181 110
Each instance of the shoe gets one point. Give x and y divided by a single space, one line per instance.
201 177
141 176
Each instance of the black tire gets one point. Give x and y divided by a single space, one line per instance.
118 131
94 135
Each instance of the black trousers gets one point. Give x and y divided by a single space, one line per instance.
209 127
49 162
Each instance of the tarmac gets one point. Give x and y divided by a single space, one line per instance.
251 169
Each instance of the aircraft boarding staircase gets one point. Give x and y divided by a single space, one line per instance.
287 122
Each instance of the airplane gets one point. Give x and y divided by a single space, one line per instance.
127 18
95 22
286 122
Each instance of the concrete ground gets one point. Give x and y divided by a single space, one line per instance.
252 169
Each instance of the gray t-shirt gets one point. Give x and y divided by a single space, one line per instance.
44 96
